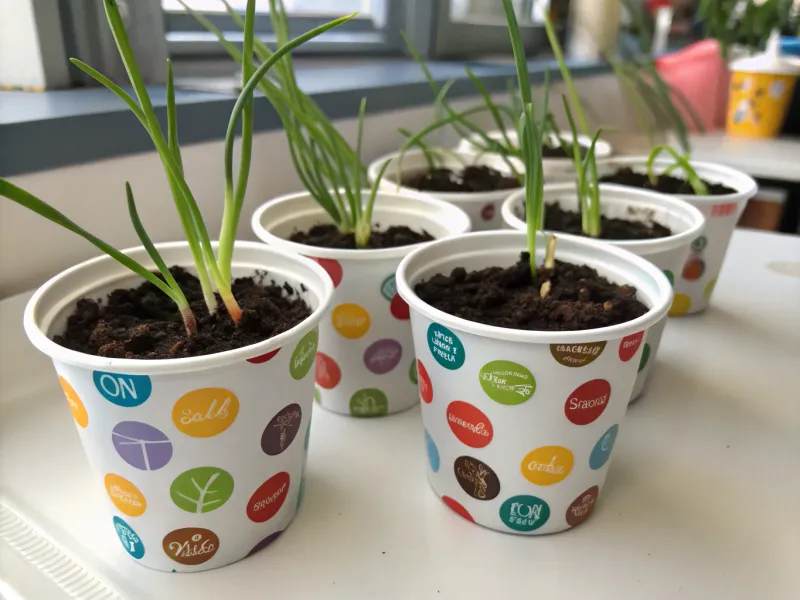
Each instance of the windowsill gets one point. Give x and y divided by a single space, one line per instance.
60 128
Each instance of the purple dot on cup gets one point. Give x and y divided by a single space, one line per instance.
265 542
141 445
383 356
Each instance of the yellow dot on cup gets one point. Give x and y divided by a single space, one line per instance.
680 305
75 403
125 496
205 412
709 288
351 320
547 465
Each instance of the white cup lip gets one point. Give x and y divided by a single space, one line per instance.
463 198
745 186
620 194
452 217
603 148
176 365
595 251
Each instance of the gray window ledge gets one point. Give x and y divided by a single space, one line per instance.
53 129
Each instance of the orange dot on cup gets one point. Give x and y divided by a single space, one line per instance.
328 373
125 496
693 269
681 305
425 386
332 267
469 424
351 320
457 508
75 403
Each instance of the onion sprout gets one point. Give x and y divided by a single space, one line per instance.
681 162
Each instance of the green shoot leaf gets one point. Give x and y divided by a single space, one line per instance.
682 162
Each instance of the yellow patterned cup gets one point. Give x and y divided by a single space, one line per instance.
758 103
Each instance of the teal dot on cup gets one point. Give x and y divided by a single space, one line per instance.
524 513
602 449
123 390
433 452
128 538
445 347
645 357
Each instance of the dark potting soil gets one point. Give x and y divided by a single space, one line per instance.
475 178
329 236
666 184
143 323
569 221
510 297
558 152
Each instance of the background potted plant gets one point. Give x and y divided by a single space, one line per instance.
514 379
166 375
365 358
720 193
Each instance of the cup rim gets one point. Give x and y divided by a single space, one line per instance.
171 365
592 249
639 247
457 222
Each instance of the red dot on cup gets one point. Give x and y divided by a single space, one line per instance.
264 357
457 508
267 500
328 373
425 387
333 268
469 424
629 345
399 308
487 212
588 402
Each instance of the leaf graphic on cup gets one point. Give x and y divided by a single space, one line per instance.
201 490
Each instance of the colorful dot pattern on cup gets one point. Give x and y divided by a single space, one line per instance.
351 321
389 287
332 267
399 308
142 446
670 276
382 356
265 542
281 430
202 489
445 347
693 269
507 382
488 212
76 406
191 545
425 386
547 465
123 390
125 496
524 513
645 357
369 402
205 412
268 499
582 507
304 355
457 508
412 372
577 355
260 360
681 305
469 424
630 345
709 289
588 402
602 450
130 541
433 452
476 478
328 374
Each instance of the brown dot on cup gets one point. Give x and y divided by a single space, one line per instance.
191 545
577 355
476 478
281 430
582 507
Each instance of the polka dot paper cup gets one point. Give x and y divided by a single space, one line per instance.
365 361
201 460
695 280
520 425
668 254
554 168
483 208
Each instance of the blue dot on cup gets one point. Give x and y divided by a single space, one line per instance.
141 445
602 449
128 538
123 390
445 347
433 452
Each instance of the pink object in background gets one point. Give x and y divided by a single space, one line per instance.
700 74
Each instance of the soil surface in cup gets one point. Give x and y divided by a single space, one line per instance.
641 228
558 151
143 323
579 297
474 178
329 236
666 184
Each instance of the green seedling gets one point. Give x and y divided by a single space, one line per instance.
682 162
214 272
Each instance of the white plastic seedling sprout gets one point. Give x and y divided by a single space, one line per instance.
329 168
213 272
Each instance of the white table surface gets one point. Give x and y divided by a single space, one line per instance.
777 158
701 501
